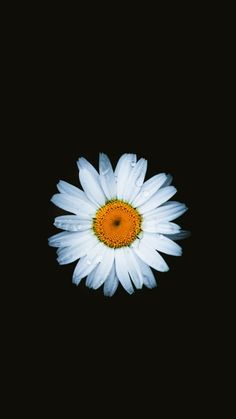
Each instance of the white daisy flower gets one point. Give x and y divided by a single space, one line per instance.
119 224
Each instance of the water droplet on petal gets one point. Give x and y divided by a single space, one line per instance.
89 262
79 227
133 163
116 178
139 182
145 194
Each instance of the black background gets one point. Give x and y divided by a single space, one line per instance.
155 105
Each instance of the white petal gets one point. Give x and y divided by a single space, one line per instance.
167 228
67 238
73 223
104 268
148 189
107 177
162 243
148 255
154 226
111 283
121 162
82 163
168 181
72 204
133 267
65 187
123 170
56 238
79 249
92 187
183 234
135 180
90 277
157 199
72 253
167 212
148 277
83 217
122 271
87 263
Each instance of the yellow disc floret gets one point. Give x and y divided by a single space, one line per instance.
117 224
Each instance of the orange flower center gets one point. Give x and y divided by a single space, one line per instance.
117 224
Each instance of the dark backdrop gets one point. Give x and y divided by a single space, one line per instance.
76 332
151 95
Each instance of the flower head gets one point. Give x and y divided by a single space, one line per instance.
118 224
